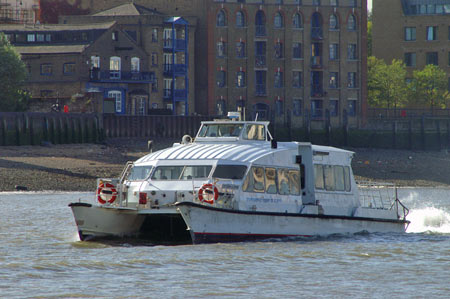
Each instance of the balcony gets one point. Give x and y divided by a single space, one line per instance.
316 90
260 31
316 33
177 69
260 90
96 75
316 62
260 60
177 94
180 44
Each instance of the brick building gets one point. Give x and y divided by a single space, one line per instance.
109 64
298 59
415 31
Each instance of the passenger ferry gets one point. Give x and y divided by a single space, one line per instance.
234 182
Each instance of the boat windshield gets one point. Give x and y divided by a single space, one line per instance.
188 172
138 173
220 130
234 172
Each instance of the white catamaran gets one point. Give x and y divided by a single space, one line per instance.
233 182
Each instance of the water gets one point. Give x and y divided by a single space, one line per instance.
41 257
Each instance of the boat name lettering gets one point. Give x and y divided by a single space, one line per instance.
265 200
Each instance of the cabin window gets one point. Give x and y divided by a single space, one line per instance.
181 172
228 130
294 182
139 173
328 172
283 182
255 132
332 177
318 171
339 178
271 186
233 172
255 180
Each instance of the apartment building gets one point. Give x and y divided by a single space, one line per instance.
303 60
134 64
415 31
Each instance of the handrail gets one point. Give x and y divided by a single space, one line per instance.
122 177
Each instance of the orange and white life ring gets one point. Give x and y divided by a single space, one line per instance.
209 187
106 192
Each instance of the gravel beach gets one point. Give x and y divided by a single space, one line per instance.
75 167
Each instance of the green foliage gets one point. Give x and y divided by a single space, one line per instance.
429 88
12 77
386 84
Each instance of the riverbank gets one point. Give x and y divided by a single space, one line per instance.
75 167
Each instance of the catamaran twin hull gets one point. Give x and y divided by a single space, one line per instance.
208 224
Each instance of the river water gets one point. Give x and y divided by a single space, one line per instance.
41 257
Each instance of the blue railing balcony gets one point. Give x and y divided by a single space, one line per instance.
316 61
260 90
260 60
179 69
260 30
316 91
180 44
180 94
96 75
316 33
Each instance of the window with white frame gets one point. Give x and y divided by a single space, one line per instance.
135 64
114 67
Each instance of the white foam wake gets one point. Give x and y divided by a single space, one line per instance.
429 219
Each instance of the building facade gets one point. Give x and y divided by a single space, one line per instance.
137 63
414 31
303 60
19 12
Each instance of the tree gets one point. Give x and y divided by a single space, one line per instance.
429 88
386 84
12 77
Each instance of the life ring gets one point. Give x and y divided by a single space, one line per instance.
211 188
106 192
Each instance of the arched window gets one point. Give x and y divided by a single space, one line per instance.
351 24
240 19
260 23
334 23
297 21
278 20
316 20
221 19
114 67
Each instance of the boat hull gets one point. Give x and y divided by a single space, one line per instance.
209 224
157 226
102 222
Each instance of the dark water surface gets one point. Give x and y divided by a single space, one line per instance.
41 257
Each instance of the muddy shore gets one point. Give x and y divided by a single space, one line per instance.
75 167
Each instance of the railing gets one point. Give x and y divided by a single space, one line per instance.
98 76
407 113
180 44
316 91
260 30
376 195
260 60
316 33
316 61
260 90
177 68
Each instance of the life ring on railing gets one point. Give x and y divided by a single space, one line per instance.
106 192
209 187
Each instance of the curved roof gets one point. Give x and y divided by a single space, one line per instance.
239 152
